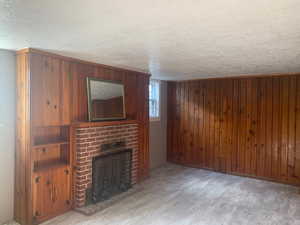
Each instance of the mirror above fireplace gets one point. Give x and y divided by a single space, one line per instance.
105 100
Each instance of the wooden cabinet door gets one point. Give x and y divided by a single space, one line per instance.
42 195
51 193
50 91
61 190
44 90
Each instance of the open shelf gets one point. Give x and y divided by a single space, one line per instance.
45 136
51 143
50 148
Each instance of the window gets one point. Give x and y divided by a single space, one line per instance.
154 99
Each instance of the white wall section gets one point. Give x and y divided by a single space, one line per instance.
7 133
158 133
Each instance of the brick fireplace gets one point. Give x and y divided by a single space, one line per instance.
88 145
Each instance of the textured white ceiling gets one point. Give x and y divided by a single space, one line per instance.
172 40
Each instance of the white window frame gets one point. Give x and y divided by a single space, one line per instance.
159 102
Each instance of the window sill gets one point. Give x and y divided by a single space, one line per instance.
155 119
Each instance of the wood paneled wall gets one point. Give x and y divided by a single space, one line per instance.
136 100
75 107
245 126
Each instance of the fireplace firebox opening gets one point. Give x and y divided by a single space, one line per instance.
111 175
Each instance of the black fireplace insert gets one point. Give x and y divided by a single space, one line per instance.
111 175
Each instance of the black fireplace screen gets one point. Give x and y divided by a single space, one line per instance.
111 175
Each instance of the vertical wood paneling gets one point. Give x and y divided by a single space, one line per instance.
212 124
284 90
276 119
201 124
197 125
253 133
242 126
222 141
261 131
217 114
236 122
269 128
22 199
229 126
246 126
297 143
206 125
177 140
292 128
193 122
188 129
182 122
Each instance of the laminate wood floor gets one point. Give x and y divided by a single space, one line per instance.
176 195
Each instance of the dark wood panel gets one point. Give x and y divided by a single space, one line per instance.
297 143
51 193
65 96
22 203
246 126
45 80
142 115
50 88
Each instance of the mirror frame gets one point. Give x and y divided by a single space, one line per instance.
88 82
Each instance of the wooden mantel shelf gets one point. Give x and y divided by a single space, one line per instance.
102 123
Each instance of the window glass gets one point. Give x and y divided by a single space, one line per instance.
154 99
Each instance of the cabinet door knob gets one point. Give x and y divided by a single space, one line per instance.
37 179
48 102
55 106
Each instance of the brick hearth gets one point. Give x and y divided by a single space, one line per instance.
88 143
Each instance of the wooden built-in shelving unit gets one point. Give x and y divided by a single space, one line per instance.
51 96
51 149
